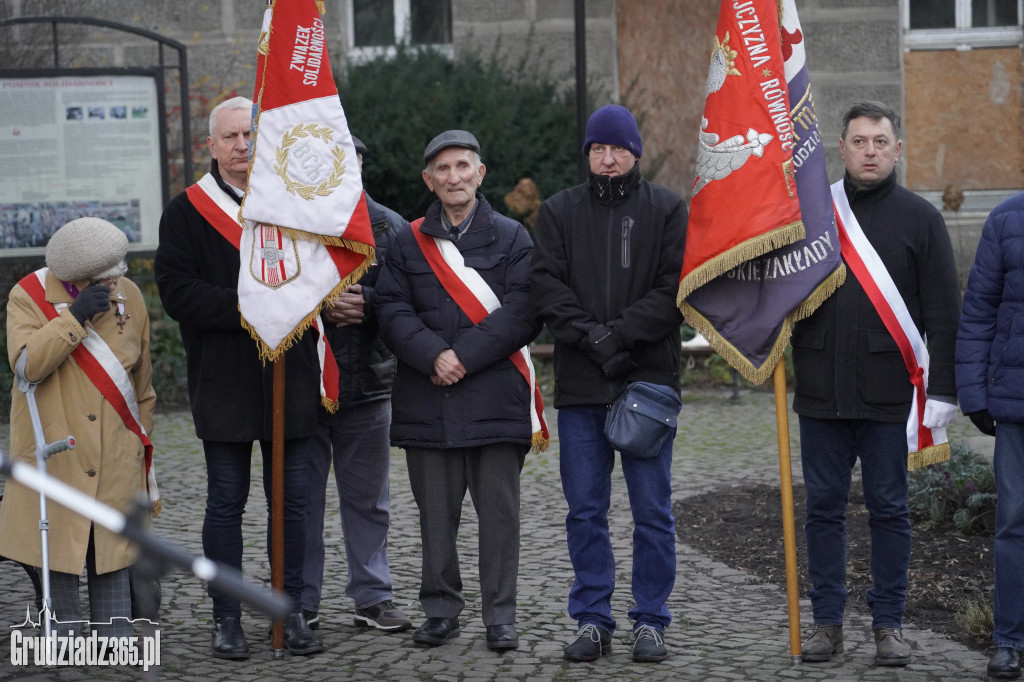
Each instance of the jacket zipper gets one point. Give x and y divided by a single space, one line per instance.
627 227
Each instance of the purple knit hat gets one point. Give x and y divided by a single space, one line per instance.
613 124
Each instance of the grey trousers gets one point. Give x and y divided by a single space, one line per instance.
439 480
356 441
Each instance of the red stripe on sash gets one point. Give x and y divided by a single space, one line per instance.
92 368
863 275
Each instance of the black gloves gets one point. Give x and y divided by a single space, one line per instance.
618 365
601 343
91 301
983 420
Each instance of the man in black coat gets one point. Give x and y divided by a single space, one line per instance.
230 388
853 395
454 305
605 276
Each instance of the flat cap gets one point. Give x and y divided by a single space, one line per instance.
358 144
450 138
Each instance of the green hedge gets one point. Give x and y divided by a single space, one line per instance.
526 126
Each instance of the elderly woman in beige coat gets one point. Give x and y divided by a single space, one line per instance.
80 307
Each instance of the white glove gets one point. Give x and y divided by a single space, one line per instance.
938 414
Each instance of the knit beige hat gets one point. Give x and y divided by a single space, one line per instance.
85 249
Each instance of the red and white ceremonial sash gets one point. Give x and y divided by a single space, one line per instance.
103 369
217 207
223 214
926 446
475 298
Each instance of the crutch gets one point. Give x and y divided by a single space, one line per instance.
44 451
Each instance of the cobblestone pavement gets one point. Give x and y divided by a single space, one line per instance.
728 625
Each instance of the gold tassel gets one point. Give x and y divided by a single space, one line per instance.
538 443
934 454
156 507
268 354
329 405
321 7
783 235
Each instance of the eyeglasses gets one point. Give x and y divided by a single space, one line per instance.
107 281
598 150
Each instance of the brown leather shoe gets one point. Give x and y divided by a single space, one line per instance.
824 641
890 647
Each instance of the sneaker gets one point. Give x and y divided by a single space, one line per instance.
383 616
648 645
591 641
890 647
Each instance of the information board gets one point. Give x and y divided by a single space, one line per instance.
74 146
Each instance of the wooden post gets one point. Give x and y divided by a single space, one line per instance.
788 531
277 499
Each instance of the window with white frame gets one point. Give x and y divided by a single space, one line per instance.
962 24
376 26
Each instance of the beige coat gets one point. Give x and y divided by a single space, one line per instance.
108 462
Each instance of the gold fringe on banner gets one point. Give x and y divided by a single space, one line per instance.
268 354
538 443
321 7
758 375
741 253
329 405
935 454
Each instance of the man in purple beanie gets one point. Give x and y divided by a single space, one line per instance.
605 270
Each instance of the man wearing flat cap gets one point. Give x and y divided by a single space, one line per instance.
605 274
83 330
454 306
355 439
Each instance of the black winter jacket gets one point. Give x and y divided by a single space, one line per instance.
610 250
365 365
229 387
418 319
847 364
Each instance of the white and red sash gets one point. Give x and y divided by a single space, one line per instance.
926 446
223 214
104 370
476 299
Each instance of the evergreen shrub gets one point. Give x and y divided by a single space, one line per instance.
396 104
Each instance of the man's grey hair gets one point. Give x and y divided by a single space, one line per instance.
228 104
873 110
476 157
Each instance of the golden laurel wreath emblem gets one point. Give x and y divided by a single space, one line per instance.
325 135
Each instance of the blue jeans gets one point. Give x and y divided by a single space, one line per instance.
587 460
1008 609
356 440
829 448
228 468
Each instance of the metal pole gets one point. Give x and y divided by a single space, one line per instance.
580 17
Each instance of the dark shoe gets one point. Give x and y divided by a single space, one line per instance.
591 641
383 616
1004 664
312 619
824 641
649 645
890 647
502 637
298 638
436 631
228 639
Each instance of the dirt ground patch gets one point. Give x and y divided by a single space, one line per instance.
742 528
